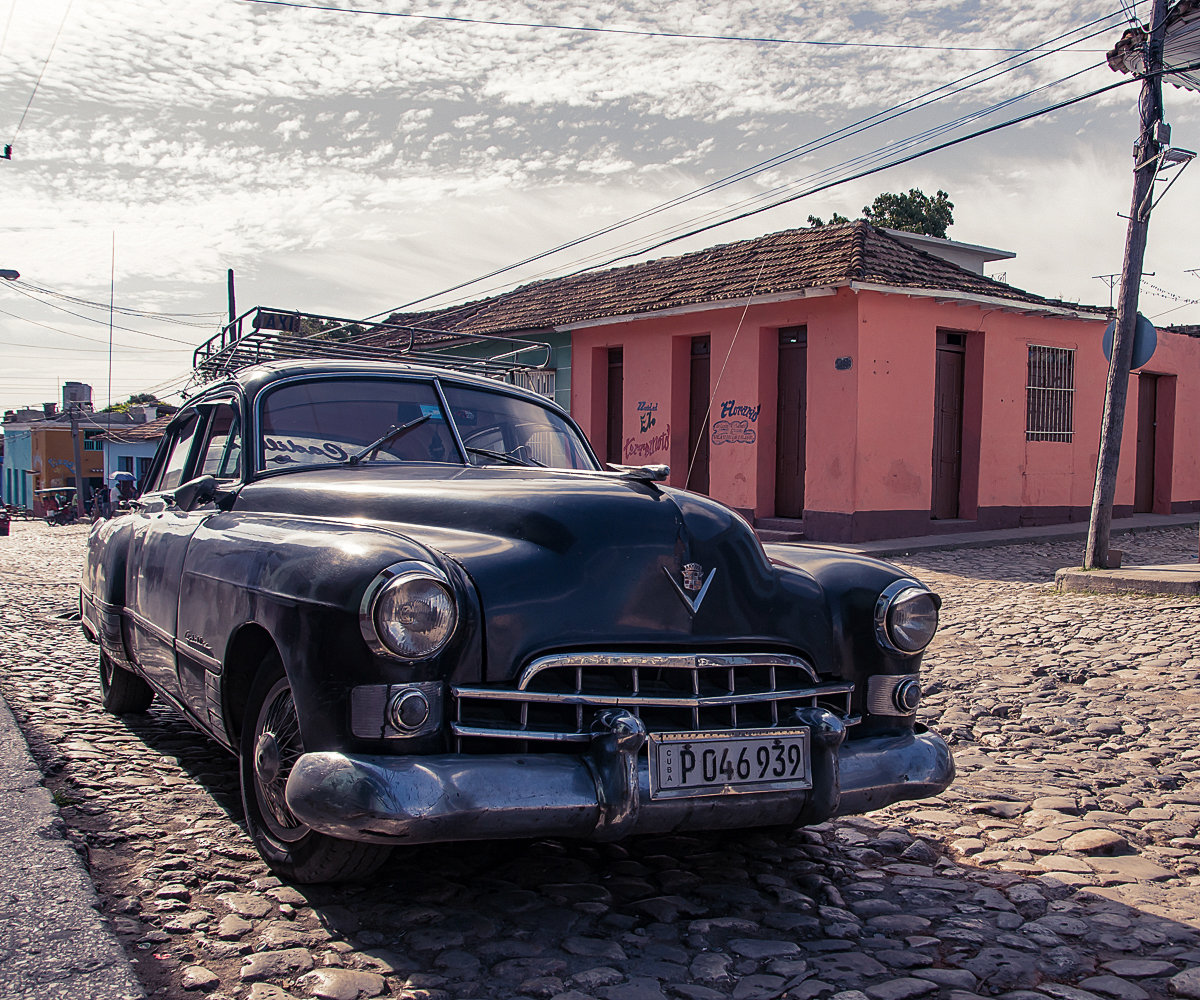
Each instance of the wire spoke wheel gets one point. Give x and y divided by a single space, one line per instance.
277 746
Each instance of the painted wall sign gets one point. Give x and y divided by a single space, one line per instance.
731 408
646 413
733 432
651 446
736 431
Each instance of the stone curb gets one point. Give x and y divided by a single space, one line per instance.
1179 580
1041 534
54 945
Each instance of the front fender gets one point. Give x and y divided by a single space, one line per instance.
851 585
302 580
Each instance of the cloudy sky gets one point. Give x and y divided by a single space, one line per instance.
348 163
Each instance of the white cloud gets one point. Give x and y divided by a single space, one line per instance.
352 163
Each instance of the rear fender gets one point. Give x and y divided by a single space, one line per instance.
102 587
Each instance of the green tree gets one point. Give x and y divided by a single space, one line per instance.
815 221
914 212
137 399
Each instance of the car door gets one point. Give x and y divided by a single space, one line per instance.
161 537
198 663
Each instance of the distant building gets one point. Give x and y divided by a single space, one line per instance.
39 452
131 449
847 382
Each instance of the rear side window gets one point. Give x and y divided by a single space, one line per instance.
176 460
327 421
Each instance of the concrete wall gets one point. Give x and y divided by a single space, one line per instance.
870 427
657 378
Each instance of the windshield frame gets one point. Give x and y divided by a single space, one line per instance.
499 388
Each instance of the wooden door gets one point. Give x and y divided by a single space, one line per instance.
792 419
947 428
616 386
698 415
1147 404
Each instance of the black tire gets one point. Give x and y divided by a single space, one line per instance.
121 691
270 744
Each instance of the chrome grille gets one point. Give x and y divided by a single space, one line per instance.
555 699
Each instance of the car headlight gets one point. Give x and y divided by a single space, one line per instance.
906 617
409 611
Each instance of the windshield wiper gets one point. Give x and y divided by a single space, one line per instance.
505 457
393 433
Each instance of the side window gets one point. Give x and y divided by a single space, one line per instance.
176 461
222 456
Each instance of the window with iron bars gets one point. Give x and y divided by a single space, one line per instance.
1050 394
541 382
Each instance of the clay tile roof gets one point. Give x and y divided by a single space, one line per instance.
152 430
777 263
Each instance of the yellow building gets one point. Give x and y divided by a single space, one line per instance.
53 457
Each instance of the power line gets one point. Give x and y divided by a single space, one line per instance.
94 340
857 176
917 103
124 310
89 319
885 166
53 45
829 173
692 36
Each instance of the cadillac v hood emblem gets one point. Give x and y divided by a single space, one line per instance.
693 580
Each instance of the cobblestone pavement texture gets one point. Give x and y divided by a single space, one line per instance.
1063 863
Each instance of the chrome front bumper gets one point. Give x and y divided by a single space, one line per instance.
602 795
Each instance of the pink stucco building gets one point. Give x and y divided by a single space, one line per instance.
844 383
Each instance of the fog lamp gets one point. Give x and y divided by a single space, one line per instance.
408 711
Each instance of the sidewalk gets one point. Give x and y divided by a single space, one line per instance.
988 539
54 944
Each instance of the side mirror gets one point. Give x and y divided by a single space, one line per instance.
194 492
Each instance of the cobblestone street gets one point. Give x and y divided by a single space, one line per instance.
1062 863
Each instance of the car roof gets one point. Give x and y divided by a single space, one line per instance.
255 378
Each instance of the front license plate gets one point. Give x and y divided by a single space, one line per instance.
729 761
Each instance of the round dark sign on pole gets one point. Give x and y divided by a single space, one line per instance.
1145 340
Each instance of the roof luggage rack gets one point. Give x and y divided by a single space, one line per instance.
283 335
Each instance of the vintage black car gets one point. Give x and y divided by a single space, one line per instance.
419 609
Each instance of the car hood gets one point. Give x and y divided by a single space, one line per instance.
566 561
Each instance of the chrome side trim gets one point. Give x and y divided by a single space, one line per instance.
652 661
185 648
161 634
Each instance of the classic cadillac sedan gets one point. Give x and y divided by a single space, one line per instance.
418 608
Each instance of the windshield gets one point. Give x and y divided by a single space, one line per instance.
329 420
351 420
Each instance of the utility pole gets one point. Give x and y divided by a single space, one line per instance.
1110 280
1152 132
79 504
